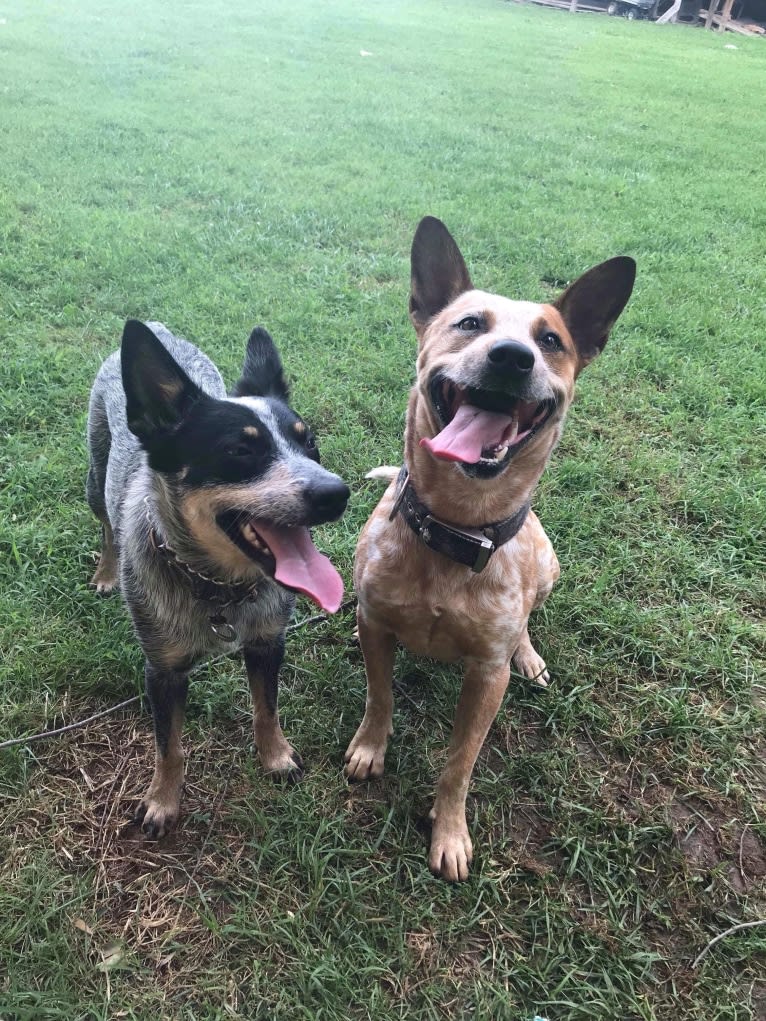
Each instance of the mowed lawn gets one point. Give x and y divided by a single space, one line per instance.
216 165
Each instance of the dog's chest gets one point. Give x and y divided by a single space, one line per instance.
437 608
449 632
174 626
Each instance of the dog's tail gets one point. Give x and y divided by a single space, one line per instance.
386 472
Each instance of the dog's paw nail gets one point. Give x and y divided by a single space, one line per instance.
297 772
287 767
155 819
361 773
153 830
287 776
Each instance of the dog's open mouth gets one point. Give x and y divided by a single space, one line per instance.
483 429
288 554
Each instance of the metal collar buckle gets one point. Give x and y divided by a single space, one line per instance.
484 552
484 546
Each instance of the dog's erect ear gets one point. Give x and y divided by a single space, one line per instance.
438 272
591 305
262 373
158 392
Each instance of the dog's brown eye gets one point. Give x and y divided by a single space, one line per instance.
550 342
239 450
471 324
311 447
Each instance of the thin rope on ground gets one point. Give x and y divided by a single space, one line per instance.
15 741
70 726
137 698
726 932
320 616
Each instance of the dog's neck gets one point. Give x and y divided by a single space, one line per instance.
169 525
459 499
172 531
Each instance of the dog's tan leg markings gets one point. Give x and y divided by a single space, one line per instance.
483 688
107 570
159 810
365 754
277 755
529 662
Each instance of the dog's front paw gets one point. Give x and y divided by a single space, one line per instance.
157 817
282 763
364 756
451 849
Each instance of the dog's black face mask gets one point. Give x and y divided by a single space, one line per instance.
247 466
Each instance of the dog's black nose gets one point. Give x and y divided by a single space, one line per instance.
511 358
327 499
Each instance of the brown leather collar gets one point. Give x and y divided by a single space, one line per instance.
471 547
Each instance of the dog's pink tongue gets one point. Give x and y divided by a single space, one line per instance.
468 433
302 567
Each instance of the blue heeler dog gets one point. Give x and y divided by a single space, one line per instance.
206 501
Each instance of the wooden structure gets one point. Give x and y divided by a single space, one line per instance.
672 12
723 20
717 15
725 16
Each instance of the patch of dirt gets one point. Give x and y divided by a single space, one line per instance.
459 960
708 828
367 805
519 842
710 838
529 831
757 994
675 952
80 804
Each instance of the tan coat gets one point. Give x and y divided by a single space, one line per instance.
519 359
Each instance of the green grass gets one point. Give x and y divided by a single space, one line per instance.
221 164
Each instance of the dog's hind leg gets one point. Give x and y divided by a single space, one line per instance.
526 659
482 693
277 755
166 690
365 755
529 662
106 575
99 445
